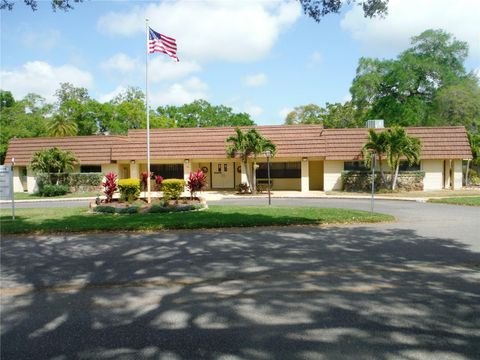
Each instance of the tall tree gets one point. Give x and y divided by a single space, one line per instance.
53 161
60 126
317 9
248 145
402 91
305 114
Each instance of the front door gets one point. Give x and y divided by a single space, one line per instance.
222 175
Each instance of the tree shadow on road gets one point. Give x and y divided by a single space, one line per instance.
304 292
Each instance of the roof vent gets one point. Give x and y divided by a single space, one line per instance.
375 124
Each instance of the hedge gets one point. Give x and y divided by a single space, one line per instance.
129 189
362 181
172 188
76 182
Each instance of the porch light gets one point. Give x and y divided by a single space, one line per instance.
304 159
186 161
132 162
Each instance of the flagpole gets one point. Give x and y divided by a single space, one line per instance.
149 198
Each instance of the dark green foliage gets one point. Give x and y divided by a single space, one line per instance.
178 208
84 181
53 190
63 5
104 209
127 210
317 9
172 188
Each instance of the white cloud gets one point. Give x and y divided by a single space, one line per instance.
252 109
407 18
119 62
180 93
44 40
210 30
42 78
284 112
477 72
255 80
107 97
163 68
315 59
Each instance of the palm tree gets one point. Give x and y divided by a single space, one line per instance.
399 145
376 145
62 126
246 145
53 161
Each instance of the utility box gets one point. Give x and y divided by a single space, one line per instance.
375 124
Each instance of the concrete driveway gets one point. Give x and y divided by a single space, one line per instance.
404 290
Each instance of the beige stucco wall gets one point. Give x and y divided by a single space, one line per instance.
32 186
433 174
305 176
316 175
106 168
332 178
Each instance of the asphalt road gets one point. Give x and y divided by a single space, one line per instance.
403 290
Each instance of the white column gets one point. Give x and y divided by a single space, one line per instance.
17 181
243 177
134 173
457 174
305 177
32 186
332 175
187 169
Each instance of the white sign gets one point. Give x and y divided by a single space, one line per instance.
6 182
6 185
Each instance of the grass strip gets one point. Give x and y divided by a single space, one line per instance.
78 219
26 196
468 200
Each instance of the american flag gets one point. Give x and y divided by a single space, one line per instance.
161 43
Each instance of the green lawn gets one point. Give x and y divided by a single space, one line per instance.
469 200
79 219
26 196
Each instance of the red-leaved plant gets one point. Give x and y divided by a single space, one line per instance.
109 186
144 180
158 182
197 181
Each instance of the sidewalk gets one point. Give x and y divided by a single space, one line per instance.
219 195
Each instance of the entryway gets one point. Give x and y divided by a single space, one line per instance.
223 175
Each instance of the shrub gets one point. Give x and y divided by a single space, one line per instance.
158 183
53 190
110 186
197 181
144 180
128 210
362 181
172 188
129 189
105 209
84 181
163 209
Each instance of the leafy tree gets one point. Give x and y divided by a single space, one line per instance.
23 118
402 91
400 145
344 115
305 114
376 145
53 161
317 9
201 113
6 99
63 5
61 126
246 145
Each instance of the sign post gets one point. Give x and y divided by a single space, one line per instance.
6 186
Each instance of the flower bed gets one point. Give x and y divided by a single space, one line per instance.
117 206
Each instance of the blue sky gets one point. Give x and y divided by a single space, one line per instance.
261 57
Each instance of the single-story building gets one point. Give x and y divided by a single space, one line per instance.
308 157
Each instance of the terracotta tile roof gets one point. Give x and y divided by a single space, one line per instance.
196 143
449 142
91 150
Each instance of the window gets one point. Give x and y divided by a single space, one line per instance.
90 169
168 171
280 170
354 166
405 167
